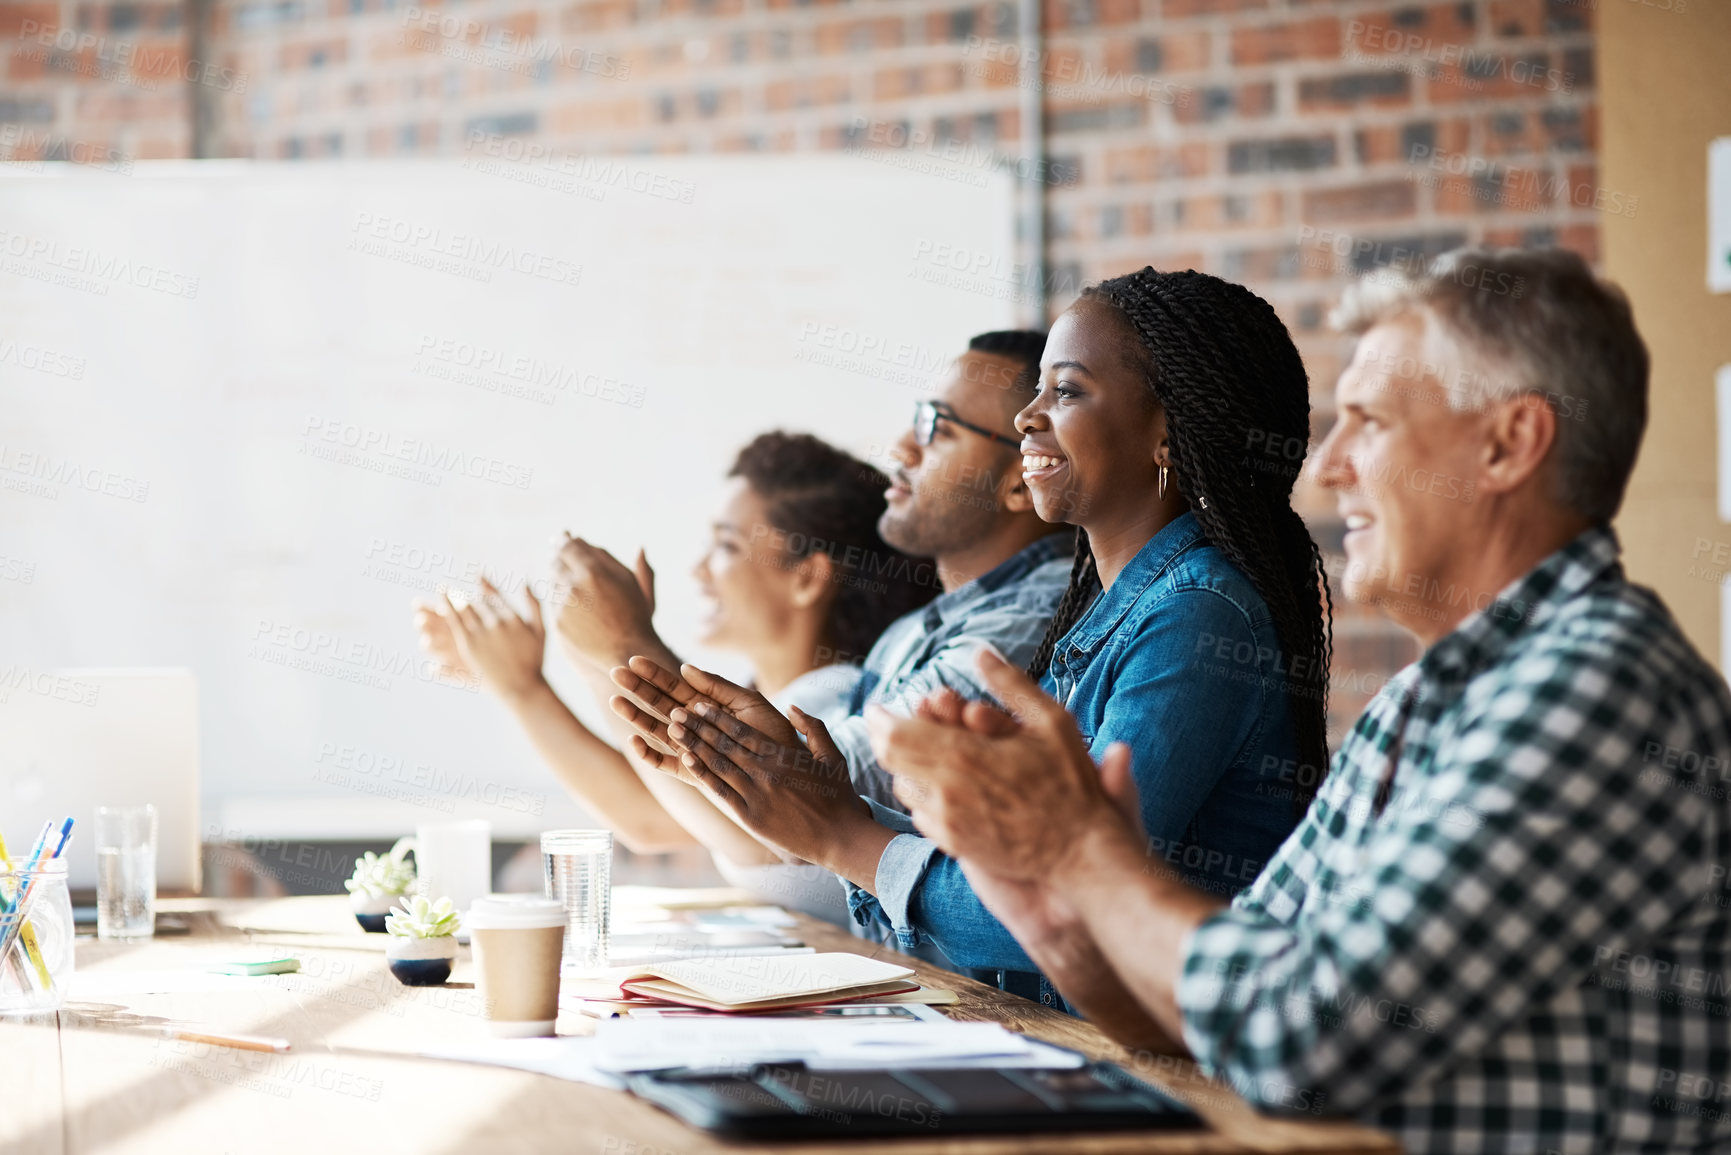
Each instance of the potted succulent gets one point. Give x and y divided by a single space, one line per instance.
423 941
378 884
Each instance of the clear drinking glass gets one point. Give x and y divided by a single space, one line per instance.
125 871
35 967
577 869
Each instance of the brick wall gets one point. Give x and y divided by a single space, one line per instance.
1288 144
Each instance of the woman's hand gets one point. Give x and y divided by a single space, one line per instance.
492 640
606 611
438 642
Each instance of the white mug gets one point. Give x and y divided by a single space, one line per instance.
454 860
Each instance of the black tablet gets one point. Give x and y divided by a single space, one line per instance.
788 1101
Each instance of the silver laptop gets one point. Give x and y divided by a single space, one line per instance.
73 740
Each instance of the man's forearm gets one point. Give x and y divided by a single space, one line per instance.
1135 916
1069 956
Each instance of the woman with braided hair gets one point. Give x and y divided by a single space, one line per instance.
1220 436
1168 425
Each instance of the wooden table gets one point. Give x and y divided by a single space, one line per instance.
90 1079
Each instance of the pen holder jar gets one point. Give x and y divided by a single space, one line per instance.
38 954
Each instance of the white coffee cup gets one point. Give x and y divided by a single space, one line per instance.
454 860
517 939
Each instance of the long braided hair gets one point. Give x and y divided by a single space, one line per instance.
1237 401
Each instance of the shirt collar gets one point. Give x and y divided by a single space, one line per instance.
1020 565
1524 604
1151 561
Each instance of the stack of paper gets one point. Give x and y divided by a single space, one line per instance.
738 983
727 1044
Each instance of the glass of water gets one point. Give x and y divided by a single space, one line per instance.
125 871
577 869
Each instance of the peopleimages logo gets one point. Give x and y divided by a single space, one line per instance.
53 471
470 40
331 438
502 155
104 268
431 242
39 147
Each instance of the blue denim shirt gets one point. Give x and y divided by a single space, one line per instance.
1180 660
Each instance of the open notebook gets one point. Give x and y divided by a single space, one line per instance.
768 982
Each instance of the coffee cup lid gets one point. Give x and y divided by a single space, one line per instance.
514 911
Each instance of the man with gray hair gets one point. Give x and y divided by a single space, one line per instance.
1503 924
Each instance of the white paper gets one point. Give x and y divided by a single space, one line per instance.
639 1044
106 984
570 1059
1722 405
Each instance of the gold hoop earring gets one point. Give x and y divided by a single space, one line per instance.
1162 483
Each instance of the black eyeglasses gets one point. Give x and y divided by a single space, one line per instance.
926 418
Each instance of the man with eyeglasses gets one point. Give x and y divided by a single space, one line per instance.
957 497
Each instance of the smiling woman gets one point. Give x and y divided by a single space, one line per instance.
1193 630
799 582
1190 375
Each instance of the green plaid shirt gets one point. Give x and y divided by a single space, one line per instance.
1525 944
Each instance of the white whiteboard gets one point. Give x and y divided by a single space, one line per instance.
251 406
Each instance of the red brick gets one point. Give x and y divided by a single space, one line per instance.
854 36
158 60
1179 9
1298 40
26 63
1539 129
898 83
1177 52
1419 34
1490 74
1500 188
1381 88
44 19
1210 103
1533 18
1411 142
1148 162
1264 263
1375 201
1063 66
1223 212
991 73
1062 14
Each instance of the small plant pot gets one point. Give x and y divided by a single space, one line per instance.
421 962
370 910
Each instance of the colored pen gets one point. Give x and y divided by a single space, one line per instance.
32 949
22 910
242 1042
65 836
